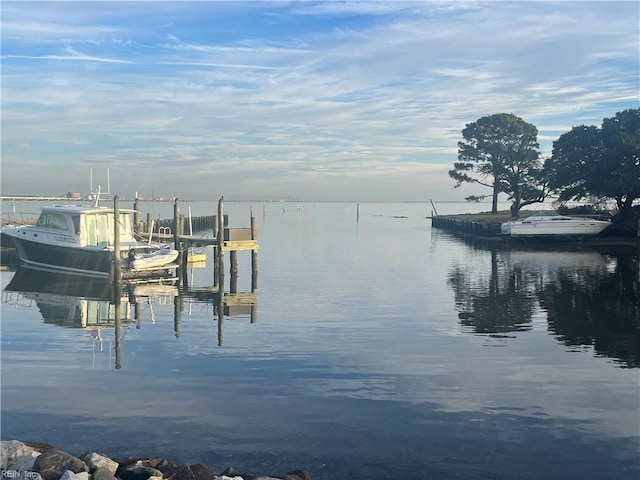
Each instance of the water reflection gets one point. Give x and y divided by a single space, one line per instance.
95 305
495 304
597 307
590 299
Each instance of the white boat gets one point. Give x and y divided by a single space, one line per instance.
549 224
153 259
80 240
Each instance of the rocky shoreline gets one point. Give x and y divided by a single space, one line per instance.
41 461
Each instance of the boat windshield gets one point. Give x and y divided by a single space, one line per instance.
53 220
545 213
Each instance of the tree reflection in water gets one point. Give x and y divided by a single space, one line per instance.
590 299
598 309
496 305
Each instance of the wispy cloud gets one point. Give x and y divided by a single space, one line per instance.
71 55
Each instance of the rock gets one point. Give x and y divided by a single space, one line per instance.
69 475
167 467
102 473
41 446
183 472
126 461
137 471
297 475
95 460
11 450
42 461
197 471
229 472
201 472
22 464
159 464
52 464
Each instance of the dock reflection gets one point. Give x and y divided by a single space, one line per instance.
94 304
590 299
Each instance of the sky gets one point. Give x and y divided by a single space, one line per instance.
314 100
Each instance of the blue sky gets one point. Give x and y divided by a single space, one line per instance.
324 100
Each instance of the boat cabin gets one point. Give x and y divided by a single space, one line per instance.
90 226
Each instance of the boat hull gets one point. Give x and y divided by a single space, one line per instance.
81 261
573 228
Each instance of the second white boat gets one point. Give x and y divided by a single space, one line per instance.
552 225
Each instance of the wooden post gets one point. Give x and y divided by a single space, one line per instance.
221 245
254 267
182 271
216 265
233 259
136 215
434 208
115 300
149 222
254 255
181 224
118 326
117 271
358 213
176 223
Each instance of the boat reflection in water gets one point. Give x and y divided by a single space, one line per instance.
94 304
581 292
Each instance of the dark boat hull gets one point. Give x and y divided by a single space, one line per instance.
81 261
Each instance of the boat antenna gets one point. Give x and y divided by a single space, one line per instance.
97 197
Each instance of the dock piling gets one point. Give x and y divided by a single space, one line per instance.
220 242
176 223
117 271
136 215
254 254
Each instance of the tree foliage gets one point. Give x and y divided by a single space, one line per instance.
599 162
501 152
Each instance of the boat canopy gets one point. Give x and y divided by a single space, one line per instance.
93 226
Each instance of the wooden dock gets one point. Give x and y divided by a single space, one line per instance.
214 232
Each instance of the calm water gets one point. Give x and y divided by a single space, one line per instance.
378 349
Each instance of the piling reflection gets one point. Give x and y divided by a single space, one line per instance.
590 299
96 305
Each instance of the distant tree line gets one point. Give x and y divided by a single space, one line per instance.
600 164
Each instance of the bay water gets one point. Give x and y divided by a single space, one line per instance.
378 348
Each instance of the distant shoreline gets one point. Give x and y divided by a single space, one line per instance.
262 200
